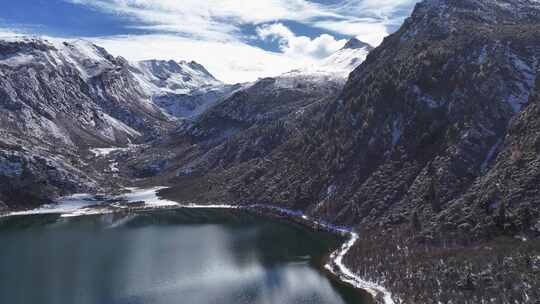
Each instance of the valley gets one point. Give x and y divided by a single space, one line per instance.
424 150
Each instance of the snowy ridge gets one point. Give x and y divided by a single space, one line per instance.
182 89
345 60
89 59
77 205
158 77
74 62
296 78
337 66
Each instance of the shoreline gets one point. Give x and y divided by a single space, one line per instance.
334 265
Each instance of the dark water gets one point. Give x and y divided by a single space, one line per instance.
185 256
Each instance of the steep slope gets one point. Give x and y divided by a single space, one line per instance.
273 99
57 99
410 155
69 90
183 89
348 58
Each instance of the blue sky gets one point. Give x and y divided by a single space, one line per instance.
238 40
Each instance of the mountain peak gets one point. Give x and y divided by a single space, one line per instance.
173 77
355 43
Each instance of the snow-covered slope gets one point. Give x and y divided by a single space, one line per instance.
183 89
329 71
236 128
74 90
348 58
89 59
57 99
161 77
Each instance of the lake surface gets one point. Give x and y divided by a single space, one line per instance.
191 256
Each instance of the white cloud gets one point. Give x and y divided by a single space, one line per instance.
300 46
209 19
6 33
366 30
222 19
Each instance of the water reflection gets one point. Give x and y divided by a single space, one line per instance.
187 256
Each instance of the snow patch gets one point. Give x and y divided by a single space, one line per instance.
148 196
113 167
17 60
431 102
102 152
64 205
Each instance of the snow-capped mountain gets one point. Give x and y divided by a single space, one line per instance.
57 99
67 90
162 77
338 65
255 108
183 89
330 71
348 58
61 99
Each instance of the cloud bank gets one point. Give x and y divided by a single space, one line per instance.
300 46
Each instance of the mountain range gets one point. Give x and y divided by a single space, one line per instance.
428 144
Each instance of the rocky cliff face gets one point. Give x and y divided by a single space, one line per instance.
430 146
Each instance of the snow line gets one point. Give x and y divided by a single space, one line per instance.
77 205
